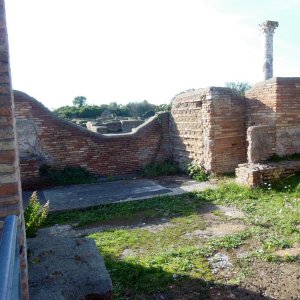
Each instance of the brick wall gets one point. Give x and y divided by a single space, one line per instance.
255 175
261 104
60 143
273 127
227 116
187 125
208 127
10 188
276 102
287 115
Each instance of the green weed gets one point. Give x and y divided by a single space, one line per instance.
160 169
197 172
69 175
278 158
34 215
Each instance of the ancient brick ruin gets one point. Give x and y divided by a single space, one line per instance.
208 127
47 139
113 125
273 127
213 127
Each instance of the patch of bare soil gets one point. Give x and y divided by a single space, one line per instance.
216 230
294 251
274 280
158 227
197 289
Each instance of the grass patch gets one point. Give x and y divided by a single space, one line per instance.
272 211
278 158
157 260
143 262
160 169
159 207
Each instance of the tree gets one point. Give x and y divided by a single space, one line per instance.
239 87
79 101
163 107
138 109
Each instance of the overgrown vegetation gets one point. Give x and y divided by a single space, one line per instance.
69 175
238 87
278 158
35 214
160 169
145 261
197 172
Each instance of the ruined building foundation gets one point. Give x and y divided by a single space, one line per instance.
213 127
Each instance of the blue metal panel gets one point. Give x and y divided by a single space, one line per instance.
9 260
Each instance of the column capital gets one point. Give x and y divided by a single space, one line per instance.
268 26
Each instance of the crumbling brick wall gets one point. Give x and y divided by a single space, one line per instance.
273 121
208 127
287 116
276 103
60 143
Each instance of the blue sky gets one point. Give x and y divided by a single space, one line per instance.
133 50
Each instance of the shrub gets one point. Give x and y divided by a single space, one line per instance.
34 214
197 172
160 169
67 176
277 158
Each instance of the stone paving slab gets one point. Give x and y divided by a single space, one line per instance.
63 268
89 195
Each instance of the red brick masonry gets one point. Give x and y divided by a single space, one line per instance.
273 122
62 143
10 187
212 126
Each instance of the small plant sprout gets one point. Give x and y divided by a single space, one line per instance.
34 214
197 172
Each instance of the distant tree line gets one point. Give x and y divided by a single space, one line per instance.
81 109
142 109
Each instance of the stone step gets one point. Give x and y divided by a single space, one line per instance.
63 268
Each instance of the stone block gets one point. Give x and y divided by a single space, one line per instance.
66 268
261 143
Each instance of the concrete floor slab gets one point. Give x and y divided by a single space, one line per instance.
89 195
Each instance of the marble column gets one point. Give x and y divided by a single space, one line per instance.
268 29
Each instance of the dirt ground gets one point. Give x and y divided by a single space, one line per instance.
238 276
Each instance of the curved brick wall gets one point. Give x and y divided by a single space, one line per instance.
60 143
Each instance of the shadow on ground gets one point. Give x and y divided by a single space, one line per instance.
133 281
